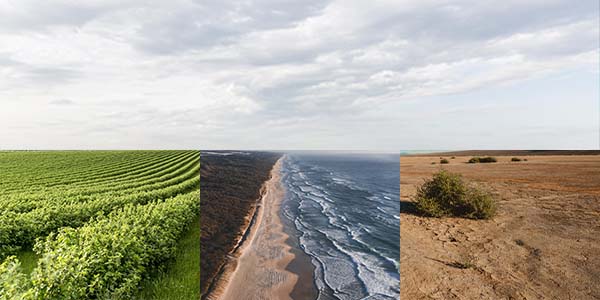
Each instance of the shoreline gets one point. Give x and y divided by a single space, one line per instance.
301 264
219 282
257 266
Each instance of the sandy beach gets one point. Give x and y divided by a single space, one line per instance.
544 242
258 268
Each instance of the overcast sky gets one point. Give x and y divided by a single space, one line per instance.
370 75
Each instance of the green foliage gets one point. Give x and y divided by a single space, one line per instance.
446 194
68 201
515 159
102 219
108 257
479 205
487 159
13 283
444 161
180 280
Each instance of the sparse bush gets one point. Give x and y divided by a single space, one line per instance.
487 159
433 162
453 157
446 194
515 159
479 204
524 159
444 161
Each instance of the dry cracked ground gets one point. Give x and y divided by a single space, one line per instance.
544 243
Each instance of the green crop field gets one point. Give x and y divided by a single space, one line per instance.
99 224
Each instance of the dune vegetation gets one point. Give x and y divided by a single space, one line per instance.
231 184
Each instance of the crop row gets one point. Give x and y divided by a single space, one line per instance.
21 229
38 179
26 202
160 173
156 169
27 182
127 173
52 165
105 259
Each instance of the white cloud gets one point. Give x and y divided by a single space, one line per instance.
228 73
62 102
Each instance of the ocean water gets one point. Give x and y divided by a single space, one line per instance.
345 210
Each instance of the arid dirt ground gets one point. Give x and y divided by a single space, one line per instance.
544 243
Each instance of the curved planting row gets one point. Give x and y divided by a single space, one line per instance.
159 173
102 169
127 172
21 229
27 203
29 215
154 170
109 171
108 257
58 162
54 165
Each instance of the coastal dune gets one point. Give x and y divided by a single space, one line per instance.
257 270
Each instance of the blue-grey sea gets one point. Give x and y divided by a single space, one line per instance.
345 210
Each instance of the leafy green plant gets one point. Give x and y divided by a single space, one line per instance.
99 220
108 257
446 194
28 216
13 283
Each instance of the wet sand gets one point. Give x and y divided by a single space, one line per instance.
544 242
260 270
305 288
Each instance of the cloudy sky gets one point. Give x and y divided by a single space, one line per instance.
370 75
